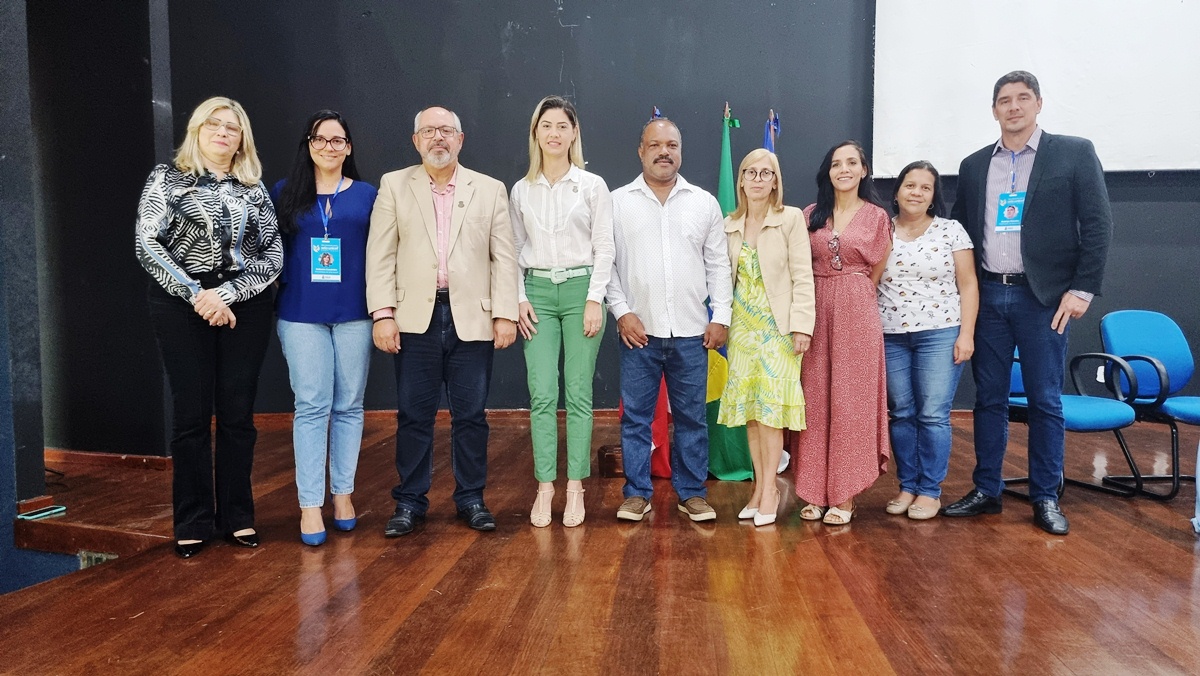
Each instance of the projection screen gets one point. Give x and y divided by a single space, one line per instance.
1124 74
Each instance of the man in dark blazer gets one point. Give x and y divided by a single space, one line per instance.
1036 208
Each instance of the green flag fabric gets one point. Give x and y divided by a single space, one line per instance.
728 449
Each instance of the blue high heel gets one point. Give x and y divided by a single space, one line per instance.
345 524
313 539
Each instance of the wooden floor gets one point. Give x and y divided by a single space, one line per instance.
1121 594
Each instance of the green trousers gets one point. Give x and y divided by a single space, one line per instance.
559 309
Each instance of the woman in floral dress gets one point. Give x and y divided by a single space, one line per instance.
772 323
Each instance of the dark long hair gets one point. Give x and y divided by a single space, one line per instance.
937 207
825 193
299 194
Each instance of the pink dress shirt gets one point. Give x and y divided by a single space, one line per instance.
443 209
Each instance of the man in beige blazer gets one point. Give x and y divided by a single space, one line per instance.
442 290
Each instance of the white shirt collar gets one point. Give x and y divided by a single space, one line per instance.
681 185
573 175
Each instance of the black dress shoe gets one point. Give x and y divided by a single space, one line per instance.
189 550
478 517
249 541
403 522
1048 516
974 504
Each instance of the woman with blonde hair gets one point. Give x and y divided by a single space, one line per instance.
772 324
562 220
206 233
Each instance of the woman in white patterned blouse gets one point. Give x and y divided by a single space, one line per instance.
928 301
206 234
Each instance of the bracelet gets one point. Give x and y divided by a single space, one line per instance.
383 318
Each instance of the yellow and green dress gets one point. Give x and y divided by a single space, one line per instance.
764 372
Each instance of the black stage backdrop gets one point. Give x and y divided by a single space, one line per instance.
491 62
102 95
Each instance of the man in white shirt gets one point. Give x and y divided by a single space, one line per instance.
670 257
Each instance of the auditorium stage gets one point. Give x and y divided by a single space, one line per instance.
882 595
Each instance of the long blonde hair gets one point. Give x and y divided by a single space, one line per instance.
535 152
775 200
246 167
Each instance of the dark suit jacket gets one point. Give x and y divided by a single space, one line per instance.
1067 223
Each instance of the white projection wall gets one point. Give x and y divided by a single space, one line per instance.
1123 73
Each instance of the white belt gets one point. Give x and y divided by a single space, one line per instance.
560 275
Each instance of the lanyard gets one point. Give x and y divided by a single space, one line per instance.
329 206
1013 173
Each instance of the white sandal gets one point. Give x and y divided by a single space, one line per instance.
812 512
541 518
838 517
572 518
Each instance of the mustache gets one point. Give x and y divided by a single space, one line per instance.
665 157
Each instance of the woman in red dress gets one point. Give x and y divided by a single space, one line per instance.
845 447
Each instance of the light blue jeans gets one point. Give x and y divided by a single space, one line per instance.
921 380
327 366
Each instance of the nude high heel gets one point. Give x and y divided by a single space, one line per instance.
574 512
539 516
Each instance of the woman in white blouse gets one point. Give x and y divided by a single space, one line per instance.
928 301
562 219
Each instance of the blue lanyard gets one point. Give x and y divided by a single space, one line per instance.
329 206
1013 173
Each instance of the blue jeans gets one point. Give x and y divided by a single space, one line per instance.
327 366
684 362
427 362
1011 316
921 380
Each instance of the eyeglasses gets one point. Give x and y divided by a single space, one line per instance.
835 248
232 128
337 142
428 132
755 175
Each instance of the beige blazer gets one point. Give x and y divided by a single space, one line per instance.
402 253
786 261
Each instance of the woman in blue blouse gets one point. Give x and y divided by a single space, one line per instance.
324 211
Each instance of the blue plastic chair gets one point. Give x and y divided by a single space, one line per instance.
1162 360
1084 413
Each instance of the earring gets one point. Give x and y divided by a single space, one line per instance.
896 202
929 210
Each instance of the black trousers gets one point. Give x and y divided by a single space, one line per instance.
211 370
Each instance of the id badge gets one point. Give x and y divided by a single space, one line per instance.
326 259
1009 211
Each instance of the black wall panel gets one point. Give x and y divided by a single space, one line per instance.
90 92
20 374
380 63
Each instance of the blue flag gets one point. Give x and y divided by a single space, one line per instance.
771 131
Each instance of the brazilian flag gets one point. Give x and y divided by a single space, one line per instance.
728 450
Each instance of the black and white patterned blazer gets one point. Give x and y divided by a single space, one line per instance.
189 225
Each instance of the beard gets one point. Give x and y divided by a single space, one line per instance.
436 159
